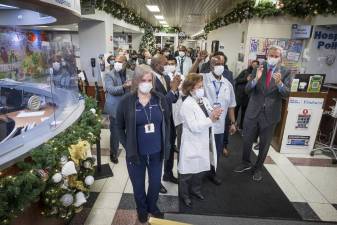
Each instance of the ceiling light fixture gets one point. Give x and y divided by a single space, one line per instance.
159 17
7 6
165 25
162 22
153 8
198 33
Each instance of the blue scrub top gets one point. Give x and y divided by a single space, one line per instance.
149 143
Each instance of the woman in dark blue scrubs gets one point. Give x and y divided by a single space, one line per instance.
143 120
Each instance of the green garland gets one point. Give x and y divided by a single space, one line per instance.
128 15
297 8
34 182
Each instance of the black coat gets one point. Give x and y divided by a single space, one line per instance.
126 123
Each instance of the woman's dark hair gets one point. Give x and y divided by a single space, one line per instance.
190 81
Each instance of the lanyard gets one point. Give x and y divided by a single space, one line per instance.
217 90
147 118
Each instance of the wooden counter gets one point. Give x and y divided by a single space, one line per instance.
278 135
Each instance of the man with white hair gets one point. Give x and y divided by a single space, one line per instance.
269 84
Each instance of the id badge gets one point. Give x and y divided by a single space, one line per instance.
149 128
216 104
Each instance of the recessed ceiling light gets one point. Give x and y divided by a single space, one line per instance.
153 8
162 22
159 17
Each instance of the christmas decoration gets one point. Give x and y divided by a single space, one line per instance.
296 8
79 151
93 110
148 41
69 169
79 199
57 177
89 180
67 200
33 182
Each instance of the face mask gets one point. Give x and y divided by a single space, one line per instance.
118 66
145 87
169 68
199 93
272 61
56 66
63 63
181 53
148 62
166 53
218 70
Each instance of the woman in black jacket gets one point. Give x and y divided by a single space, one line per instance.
143 118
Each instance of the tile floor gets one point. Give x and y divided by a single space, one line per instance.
310 183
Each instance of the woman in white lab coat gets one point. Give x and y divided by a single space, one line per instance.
197 149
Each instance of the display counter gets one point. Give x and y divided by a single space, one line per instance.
300 119
63 108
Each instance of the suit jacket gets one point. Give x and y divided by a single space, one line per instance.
269 100
170 96
113 91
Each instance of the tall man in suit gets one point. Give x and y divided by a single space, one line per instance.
169 88
116 85
269 84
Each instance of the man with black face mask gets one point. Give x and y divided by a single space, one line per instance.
241 97
169 89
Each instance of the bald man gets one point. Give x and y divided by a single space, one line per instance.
116 85
169 88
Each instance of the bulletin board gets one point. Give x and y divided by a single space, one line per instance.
292 50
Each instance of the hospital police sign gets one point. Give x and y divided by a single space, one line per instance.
326 39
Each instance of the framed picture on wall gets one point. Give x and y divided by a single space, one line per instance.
215 46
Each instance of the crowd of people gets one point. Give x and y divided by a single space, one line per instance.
187 102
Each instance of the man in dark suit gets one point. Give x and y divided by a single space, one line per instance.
269 84
169 88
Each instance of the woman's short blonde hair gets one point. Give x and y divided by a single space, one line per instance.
140 71
190 81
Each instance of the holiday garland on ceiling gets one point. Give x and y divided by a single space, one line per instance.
128 15
297 8
59 173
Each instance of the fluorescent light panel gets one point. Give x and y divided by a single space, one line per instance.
162 22
8 6
165 25
153 8
159 17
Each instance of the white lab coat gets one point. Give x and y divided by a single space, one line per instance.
187 65
195 155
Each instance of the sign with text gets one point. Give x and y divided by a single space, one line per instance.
300 31
326 39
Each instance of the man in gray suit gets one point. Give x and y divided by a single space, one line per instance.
116 85
269 83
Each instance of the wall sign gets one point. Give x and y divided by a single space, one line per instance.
327 40
300 31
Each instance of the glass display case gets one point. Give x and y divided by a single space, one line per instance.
39 95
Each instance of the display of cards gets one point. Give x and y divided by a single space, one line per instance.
294 85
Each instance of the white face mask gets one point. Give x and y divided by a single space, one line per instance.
148 62
218 70
145 87
166 53
118 66
181 53
170 68
56 66
199 93
273 61
63 63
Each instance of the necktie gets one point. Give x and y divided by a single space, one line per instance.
162 80
181 65
268 77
